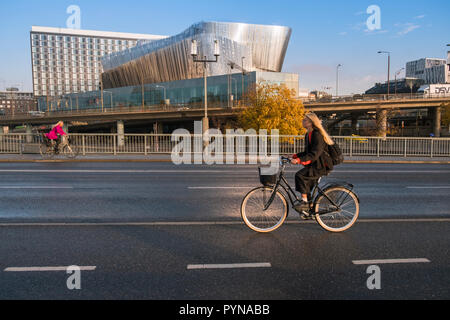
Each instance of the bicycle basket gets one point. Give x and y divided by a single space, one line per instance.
267 180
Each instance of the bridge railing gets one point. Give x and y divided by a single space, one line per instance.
147 144
55 111
98 110
375 97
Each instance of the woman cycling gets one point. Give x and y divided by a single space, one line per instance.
55 134
315 158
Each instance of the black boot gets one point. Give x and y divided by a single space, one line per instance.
301 206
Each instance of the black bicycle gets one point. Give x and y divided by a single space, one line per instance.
47 148
264 209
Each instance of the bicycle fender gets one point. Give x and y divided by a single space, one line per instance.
332 185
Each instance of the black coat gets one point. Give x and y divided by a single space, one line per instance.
316 152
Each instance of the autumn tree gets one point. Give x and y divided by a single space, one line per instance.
270 106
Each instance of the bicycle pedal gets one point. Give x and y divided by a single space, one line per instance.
307 216
304 215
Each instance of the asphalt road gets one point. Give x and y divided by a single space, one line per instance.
164 192
156 231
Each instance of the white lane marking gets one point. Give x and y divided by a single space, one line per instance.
229 266
219 188
35 187
198 223
392 171
122 171
46 269
387 220
207 171
390 261
122 224
426 187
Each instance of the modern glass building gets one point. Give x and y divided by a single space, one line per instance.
247 46
69 60
154 72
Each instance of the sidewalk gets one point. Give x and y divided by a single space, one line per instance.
30 158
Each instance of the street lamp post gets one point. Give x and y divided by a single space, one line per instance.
325 90
205 62
337 79
243 72
101 92
164 88
389 70
396 74
235 86
142 91
111 97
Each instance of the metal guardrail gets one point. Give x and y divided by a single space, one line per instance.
146 144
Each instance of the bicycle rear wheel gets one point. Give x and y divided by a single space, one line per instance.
46 151
258 219
341 215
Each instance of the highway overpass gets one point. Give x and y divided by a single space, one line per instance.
161 114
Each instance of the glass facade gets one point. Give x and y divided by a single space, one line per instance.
223 91
63 63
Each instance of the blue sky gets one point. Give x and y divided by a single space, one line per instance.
325 32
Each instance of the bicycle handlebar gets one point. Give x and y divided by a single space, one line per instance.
285 159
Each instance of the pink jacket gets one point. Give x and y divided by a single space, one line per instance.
53 135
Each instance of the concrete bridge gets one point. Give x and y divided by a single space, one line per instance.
350 107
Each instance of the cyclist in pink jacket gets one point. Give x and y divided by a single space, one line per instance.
55 134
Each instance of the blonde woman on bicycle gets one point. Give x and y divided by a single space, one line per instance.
55 135
315 159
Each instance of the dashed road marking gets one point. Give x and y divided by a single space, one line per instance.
229 266
46 269
390 261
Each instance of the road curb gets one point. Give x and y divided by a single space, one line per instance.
169 161
84 160
397 162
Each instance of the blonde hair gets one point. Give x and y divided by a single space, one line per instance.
317 123
61 123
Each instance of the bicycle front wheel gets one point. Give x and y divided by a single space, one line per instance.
70 151
338 210
258 219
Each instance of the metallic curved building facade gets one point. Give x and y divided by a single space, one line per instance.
254 47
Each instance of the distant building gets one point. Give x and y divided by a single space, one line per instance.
69 61
12 100
319 95
303 94
406 85
430 70
448 63
14 93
